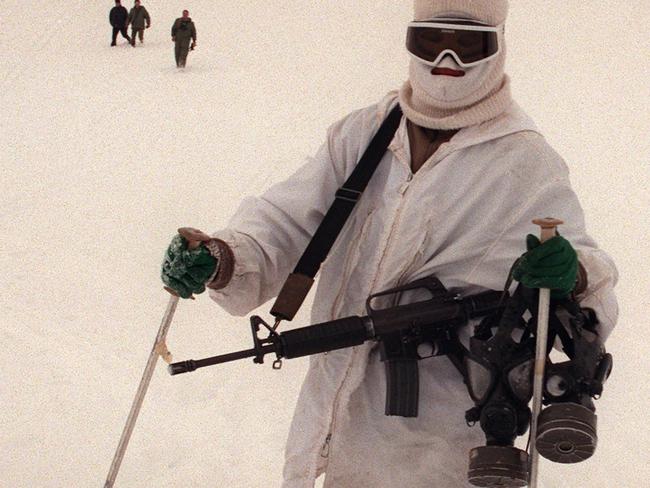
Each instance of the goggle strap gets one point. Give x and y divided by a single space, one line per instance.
442 25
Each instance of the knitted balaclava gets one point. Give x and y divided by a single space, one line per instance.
444 102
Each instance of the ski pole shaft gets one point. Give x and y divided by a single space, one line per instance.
142 390
194 239
548 226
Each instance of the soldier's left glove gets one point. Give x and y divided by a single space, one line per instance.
552 264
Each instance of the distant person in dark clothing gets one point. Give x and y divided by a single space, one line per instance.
183 31
139 20
117 18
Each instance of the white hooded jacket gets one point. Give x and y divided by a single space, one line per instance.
462 217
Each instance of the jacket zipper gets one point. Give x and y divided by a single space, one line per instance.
348 258
402 191
325 450
418 254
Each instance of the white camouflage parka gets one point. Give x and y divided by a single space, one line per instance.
462 217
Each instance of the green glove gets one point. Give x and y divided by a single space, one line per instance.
186 271
553 264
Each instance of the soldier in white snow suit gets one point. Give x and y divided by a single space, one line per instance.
453 197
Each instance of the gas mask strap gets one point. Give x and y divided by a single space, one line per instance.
557 329
509 279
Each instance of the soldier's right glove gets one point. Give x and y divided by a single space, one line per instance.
552 264
187 270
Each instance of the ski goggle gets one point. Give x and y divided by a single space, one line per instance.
467 41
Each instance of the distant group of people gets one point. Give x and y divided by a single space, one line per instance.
120 19
183 29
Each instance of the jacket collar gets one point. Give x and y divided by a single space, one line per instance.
511 121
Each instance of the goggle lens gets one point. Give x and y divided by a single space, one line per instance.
471 44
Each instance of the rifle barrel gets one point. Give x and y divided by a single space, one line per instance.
191 364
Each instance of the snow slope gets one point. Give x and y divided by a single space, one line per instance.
106 151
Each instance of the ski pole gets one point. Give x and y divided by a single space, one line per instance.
194 239
548 226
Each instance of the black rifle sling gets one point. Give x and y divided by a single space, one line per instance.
299 282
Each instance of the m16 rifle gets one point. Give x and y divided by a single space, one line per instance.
406 333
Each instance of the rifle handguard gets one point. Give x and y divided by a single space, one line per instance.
329 336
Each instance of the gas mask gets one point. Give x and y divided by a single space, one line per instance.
499 376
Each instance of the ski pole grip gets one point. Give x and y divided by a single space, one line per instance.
548 226
194 237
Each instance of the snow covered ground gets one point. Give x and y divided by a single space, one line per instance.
106 151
